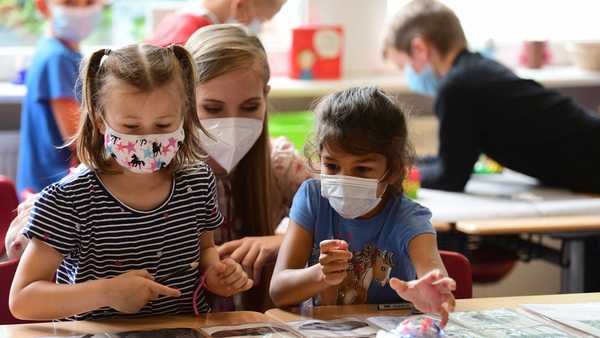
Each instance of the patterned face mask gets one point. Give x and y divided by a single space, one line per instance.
143 154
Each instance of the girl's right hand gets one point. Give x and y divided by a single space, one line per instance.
129 292
334 260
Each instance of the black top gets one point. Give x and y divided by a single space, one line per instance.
483 107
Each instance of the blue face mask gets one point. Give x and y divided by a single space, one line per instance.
425 82
75 23
255 26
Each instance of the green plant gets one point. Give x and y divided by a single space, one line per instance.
20 14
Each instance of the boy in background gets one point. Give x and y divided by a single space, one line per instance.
50 110
483 107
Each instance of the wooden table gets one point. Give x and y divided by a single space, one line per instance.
163 322
368 310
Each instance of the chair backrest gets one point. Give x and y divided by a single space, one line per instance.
8 207
7 273
459 268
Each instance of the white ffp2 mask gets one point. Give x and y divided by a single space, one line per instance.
350 196
234 136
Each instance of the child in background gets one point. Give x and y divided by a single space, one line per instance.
364 242
179 26
142 209
50 112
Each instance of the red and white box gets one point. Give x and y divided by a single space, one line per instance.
316 52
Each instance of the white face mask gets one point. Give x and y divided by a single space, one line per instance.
234 138
255 26
143 154
75 23
350 196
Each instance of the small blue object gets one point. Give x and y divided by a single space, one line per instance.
20 78
425 83
418 326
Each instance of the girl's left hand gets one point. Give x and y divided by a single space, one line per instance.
252 253
431 293
227 278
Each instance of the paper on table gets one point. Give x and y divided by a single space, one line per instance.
255 330
582 316
508 195
346 327
503 323
158 333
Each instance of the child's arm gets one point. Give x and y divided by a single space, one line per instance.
292 282
432 291
66 114
33 295
224 278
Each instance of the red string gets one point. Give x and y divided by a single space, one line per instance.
201 285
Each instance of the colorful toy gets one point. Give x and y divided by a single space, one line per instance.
316 52
415 327
486 165
412 183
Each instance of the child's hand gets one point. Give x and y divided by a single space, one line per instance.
334 260
227 278
129 292
432 293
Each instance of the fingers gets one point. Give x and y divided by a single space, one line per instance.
234 279
398 285
335 278
247 286
336 266
241 251
335 255
159 289
250 259
260 261
219 268
444 316
229 247
331 244
430 277
445 285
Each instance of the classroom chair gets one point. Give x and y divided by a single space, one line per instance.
459 268
8 208
7 272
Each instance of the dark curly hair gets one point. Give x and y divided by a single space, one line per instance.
359 121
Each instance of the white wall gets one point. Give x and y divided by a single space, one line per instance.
363 25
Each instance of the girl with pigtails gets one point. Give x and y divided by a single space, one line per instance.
131 232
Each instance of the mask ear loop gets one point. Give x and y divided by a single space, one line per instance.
381 179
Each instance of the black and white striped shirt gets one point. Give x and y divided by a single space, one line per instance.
100 237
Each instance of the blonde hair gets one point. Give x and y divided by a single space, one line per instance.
219 50
146 68
430 19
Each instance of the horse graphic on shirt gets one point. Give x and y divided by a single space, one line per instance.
367 265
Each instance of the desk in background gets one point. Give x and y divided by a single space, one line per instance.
514 204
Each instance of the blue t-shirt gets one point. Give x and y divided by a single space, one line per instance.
52 75
379 244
